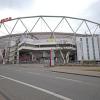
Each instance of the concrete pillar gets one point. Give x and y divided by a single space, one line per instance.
32 57
17 57
67 57
52 55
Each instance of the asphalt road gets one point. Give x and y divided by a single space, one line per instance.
39 83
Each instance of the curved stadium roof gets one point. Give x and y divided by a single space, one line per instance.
51 24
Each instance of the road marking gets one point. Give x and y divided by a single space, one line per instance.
61 78
18 70
69 79
34 73
74 80
38 88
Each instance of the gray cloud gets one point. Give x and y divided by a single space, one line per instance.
93 12
15 4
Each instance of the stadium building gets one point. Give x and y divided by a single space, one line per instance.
50 40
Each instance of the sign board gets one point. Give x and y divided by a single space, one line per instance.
5 20
51 39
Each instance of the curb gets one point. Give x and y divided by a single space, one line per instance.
77 74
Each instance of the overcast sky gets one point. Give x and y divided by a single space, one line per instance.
76 8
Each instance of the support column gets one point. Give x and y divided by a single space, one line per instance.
32 57
52 55
17 57
67 56
62 57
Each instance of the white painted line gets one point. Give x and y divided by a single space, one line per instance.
34 73
61 78
74 80
18 70
38 88
69 79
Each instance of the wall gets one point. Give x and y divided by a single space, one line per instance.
88 48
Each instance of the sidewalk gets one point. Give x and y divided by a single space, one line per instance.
85 71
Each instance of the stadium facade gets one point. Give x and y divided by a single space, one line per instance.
80 44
